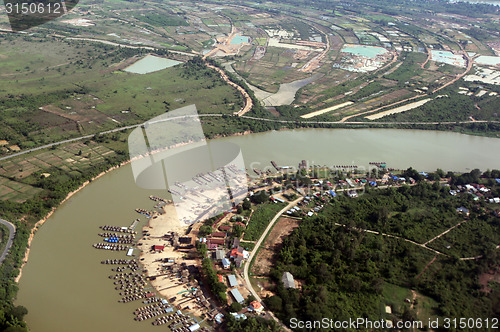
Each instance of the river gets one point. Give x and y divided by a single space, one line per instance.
65 287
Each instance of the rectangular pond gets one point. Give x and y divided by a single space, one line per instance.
366 51
238 39
149 64
488 60
448 58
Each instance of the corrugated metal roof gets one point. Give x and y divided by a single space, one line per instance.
232 280
237 295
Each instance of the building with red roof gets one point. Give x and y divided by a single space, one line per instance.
219 234
158 248
256 306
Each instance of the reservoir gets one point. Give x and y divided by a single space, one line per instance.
64 286
367 51
448 58
149 64
238 39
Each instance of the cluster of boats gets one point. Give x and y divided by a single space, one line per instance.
144 212
119 262
136 297
379 164
152 311
152 300
115 239
110 246
177 321
133 265
132 285
116 229
159 199
119 236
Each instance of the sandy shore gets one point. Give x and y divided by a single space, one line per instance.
43 220
166 284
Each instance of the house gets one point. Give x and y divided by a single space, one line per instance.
185 240
287 280
470 188
238 261
225 228
237 295
240 224
220 278
212 246
279 200
255 306
232 280
219 254
218 318
239 252
236 252
219 234
235 243
352 194
463 211
238 316
215 241
225 263
495 200
194 327
158 248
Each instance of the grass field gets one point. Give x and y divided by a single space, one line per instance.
396 297
260 219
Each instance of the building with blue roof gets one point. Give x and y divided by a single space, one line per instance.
225 263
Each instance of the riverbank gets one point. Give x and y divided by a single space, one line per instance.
227 136
51 212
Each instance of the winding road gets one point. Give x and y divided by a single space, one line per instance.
12 233
256 249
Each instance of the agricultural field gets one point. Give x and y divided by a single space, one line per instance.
281 44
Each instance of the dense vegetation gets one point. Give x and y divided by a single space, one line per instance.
343 270
260 219
251 324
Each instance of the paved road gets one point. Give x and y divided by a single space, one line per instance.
256 248
12 233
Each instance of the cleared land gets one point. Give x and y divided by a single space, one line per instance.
398 109
326 110
265 259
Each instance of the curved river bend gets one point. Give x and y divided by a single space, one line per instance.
64 286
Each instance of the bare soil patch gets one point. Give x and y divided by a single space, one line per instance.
267 255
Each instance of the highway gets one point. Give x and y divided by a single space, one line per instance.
12 233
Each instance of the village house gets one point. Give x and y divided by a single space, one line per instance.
288 280
463 210
255 306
